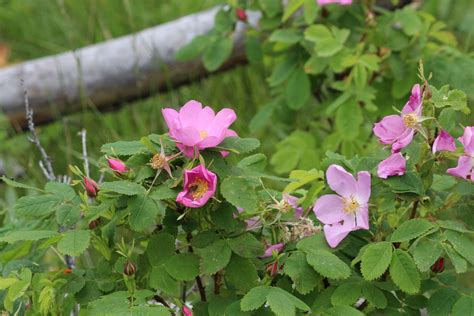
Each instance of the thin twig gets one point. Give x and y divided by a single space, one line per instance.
413 210
202 291
45 163
83 134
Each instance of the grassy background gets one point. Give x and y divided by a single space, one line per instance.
32 29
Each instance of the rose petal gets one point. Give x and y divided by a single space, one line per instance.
329 209
341 181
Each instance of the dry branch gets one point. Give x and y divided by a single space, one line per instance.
125 68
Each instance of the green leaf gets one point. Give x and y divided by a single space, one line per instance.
348 120
456 99
28 235
124 148
214 257
255 162
270 7
62 190
160 248
74 242
311 11
328 264
410 182
5 283
464 306
163 192
376 259
240 193
359 74
344 310
246 246
327 43
441 302
280 304
241 273
286 36
36 205
239 145
409 20
162 280
217 52
426 252
346 293
68 214
123 187
404 273
301 178
291 8
16 184
462 244
143 212
183 266
304 278
193 49
460 265
453 225
374 295
255 298
298 89
411 229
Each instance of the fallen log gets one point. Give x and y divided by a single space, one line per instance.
115 71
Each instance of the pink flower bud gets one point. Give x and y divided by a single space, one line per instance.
269 250
241 15
117 165
187 311
91 187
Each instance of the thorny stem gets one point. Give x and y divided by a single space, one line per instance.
202 292
217 283
45 163
161 300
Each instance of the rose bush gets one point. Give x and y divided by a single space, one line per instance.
215 234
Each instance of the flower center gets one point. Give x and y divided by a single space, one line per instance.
203 134
350 204
158 161
410 120
198 188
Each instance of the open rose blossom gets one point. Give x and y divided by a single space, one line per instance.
342 2
199 186
346 211
444 142
197 128
394 165
398 130
269 250
465 167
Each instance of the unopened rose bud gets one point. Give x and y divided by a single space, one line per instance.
117 165
438 266
91 187
187 311
272 268
94 223
129 268
241 14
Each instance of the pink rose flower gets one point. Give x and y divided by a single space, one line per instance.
465 167
198 128
398 130
444 142
346 211
91 187
341 2
394 165
187 311
199 186
117 165
269 250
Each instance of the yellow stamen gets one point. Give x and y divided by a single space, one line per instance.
198 188
158 161
350 204
410 120
203 134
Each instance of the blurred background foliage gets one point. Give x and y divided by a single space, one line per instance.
31 29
